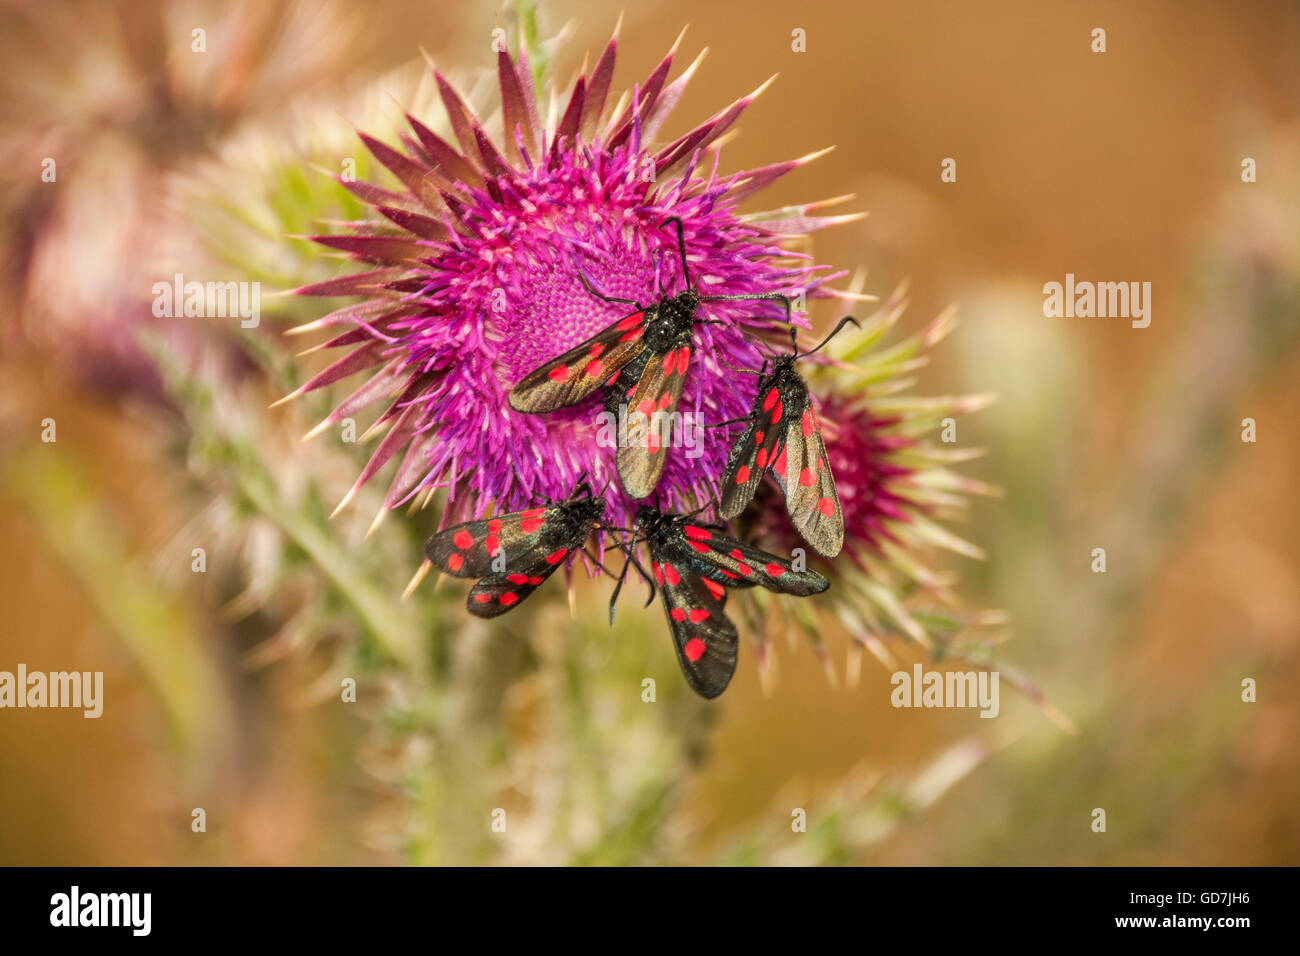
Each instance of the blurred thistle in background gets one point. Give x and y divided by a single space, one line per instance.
113 98
227 689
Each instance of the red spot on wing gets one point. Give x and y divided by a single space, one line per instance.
665 399
806 423
594 369
683 360
774 569
826 507
653 443
455 561
494 526
509 598
482 598
536 581
647 407
558 374
761 459
698 614
678 614
758 438
742 474
699 534
671 575
714 587
694 649
596 351
493 544
777 412
699 546
633 335
529 525
556 556
768 402
517 578
462 539
630 322
779 464
670 362
659 573
805 477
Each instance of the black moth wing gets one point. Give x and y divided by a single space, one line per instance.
579 372
547 537
620 388
523 537
641 458
498 593
751 456
466 550
733 563
809 486
706 641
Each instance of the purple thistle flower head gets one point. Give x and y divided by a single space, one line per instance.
477 279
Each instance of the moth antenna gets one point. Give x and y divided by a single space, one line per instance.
659 276
592 558
834 332
681 248
766 296
582 276
622 575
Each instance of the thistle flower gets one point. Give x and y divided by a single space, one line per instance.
479 272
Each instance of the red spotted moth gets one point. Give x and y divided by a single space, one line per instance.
514 553
784 436
645 356
693 565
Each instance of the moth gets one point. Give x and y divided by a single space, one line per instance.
783 435
644 356
693 565
514 553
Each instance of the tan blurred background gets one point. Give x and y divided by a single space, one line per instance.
1117 166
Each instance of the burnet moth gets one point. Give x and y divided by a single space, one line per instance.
784 435
693 564
514 553
644 356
